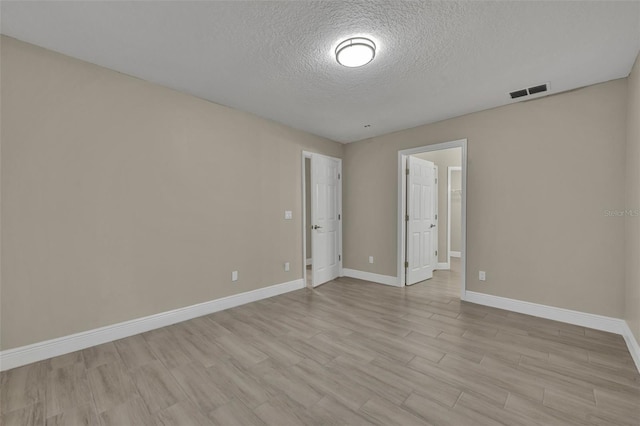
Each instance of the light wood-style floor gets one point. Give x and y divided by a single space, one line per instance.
349 352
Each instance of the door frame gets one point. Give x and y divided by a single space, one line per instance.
305 155
449 170
402 198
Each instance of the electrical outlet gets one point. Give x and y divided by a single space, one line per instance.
482 276
288 214
234 276
370 259
287 266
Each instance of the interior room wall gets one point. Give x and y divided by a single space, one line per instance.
443 159
632 204
122 199
541 174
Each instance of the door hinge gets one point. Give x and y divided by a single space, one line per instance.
406 264
436 252
406 218
436 180
339 257
338 217
407 172
436 217
338 175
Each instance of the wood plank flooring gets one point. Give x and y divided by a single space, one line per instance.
347 353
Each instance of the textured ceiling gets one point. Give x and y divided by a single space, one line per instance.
435 60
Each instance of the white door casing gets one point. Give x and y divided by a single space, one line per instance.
325 218
422 227
401 224
436 230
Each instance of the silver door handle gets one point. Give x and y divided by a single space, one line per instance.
432 226
316 227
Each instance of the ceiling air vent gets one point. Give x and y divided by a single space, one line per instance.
533 90
537 89
519 93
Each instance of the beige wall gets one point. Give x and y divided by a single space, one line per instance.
632 202
443 159
123 199
540 175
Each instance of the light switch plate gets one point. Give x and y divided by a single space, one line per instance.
370 259
482 276
287 266
288 214
234 276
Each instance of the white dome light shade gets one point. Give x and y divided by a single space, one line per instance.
355 52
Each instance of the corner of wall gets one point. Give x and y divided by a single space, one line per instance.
632 204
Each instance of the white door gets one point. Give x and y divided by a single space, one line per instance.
325 218
422 229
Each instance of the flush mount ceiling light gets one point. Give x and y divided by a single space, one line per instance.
355 52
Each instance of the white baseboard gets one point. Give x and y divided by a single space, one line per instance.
598 322
23 355
443 265
309 261
584 319
370 276
632 344
454 254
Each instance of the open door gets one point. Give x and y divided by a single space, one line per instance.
325 218
422 223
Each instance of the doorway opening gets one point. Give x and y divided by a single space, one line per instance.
454 212
432 215
321 218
